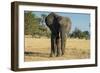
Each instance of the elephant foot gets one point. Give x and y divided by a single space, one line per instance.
62 54
58 55
51 55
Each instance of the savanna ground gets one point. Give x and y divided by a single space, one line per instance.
38 49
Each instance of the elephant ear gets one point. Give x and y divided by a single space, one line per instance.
66 23
49 19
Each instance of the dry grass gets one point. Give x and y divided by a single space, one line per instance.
39 49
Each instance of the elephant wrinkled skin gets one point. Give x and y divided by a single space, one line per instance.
60 27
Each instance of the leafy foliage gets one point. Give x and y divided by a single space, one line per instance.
30 23
33 25
77 33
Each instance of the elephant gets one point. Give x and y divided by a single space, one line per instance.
60 27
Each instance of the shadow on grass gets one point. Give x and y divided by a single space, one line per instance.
36 54
70 53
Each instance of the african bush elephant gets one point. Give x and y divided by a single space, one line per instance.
59 27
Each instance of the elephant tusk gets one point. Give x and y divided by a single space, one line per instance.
59 34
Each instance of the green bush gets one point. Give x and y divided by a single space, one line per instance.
33 25
77 33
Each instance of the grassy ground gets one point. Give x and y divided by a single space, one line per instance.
38 49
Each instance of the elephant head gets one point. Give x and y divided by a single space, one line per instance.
60 27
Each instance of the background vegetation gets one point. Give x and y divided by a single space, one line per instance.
35 26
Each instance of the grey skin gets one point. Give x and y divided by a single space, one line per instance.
60 27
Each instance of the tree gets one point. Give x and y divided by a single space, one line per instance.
77 33
43 19
47 32
31 23
86 35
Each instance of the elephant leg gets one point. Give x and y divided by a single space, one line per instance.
58 42
53 45
64 45
63 41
